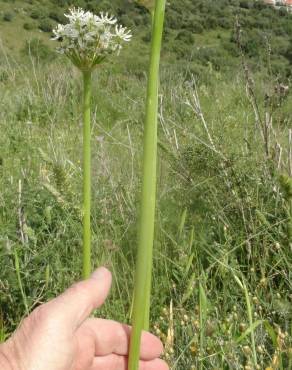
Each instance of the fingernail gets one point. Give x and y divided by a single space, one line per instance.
99 274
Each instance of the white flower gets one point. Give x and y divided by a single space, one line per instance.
58 31
123 33
105 18
88 39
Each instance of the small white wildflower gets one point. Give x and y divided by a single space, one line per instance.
88 39
123 33
57 31
105 18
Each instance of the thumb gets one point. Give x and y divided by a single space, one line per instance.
77 302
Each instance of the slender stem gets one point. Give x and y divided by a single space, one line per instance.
142 289
17 269
250 317
86 174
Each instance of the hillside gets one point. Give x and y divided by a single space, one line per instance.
199 32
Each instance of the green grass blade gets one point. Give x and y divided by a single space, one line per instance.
203 318
250 318
17 269
249 330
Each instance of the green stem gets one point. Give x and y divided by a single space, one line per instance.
250 318
86 174
142 290
17 269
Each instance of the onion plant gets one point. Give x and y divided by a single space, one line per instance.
87 40
142 288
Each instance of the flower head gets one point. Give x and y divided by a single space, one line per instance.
88 39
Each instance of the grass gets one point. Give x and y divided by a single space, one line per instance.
20 15
221 210
219 227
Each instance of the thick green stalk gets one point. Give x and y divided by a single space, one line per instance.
86 174
142 289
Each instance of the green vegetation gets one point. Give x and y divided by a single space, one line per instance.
200 32
222 255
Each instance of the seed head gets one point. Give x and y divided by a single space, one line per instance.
246 350
88 39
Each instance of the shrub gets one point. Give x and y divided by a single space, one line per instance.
259 5
245 4
57 16
197 28
211 56
225 22
35 13
186 37
211 22
28 26
172 20
45 25
181 49
7 17
61 3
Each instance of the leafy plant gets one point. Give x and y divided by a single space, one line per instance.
45 25
7 17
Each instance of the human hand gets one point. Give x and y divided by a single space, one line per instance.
59 335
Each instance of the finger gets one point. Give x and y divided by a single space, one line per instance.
115 362
76 303
113 337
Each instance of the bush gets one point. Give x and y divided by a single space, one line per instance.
186 37
181 49
7 17
28 26
225 22
61 3
35 14
45 25
211 56
245 4
172 20
57 16
197 28
211 22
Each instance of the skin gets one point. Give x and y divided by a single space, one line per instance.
59 335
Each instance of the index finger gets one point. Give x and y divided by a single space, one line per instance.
109 337
74 305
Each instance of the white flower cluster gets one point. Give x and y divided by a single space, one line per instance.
88 39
